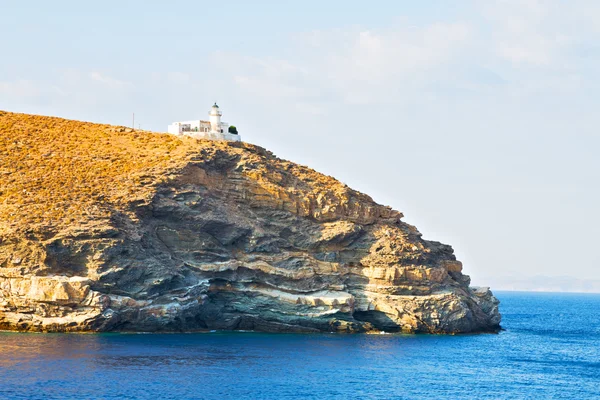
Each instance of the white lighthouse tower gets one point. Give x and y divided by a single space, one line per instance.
214 116
214 128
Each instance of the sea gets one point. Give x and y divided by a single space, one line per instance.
549 349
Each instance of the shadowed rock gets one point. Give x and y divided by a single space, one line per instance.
215 236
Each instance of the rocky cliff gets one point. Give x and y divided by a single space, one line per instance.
107 229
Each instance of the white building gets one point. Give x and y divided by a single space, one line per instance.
214 128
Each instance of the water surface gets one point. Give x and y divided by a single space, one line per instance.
550 349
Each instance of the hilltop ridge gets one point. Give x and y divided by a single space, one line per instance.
104 228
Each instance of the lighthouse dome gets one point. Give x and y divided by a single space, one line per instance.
214 110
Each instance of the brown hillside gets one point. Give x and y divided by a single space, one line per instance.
103 228
56 172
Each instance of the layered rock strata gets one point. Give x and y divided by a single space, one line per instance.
228 237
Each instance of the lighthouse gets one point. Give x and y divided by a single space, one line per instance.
214 128
215 119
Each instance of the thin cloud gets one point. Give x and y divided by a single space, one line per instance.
355 67
109 81
20 88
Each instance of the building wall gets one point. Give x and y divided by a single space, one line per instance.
174 129
214 136
203 130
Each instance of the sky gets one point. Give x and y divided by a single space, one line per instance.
477 119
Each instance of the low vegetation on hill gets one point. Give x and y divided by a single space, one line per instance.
56 172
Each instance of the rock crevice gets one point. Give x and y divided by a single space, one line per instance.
222 236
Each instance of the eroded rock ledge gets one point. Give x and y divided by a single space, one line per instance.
237 239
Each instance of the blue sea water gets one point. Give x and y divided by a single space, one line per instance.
550 349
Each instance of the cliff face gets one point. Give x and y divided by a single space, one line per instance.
104 229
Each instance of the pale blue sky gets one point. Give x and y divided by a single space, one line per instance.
477 119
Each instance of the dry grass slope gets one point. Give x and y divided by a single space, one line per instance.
56 172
